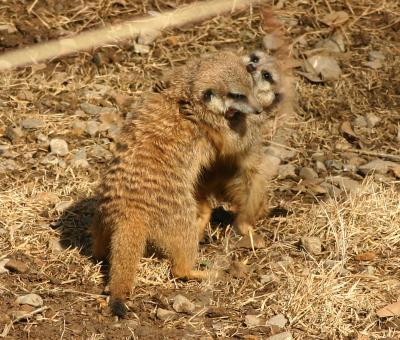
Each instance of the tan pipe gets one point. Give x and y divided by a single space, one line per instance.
175 18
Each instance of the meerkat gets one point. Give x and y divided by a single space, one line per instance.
148 194
241 179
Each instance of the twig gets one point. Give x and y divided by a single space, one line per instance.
189 14
8 326
376 154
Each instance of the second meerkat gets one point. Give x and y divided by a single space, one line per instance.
148 193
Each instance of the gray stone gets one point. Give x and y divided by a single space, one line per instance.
277 320
91 109
147 37
14 134
8 165
182 305
360 121
32 123
30 299
307 173
92 127
141 49
334 164
55 245
286 171
312 244
42 139
377 166
318 156
100 152
165 314
58 147
376 55
372 119
253 320
320 167
347 184
80 159
325 66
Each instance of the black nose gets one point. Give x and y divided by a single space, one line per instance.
250 68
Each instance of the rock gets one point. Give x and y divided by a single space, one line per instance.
256 241
50 159
318 156
312 245
307 173
377 166
30 299
334 164
268 278
100 152
165 314
78 127
3 268
8 165
277 320
58 147
372 120
141 49
4 148
92 127
281 336
14 134
63 205
286 171
32 123
347 184
349 168
95 109
16 266
320 167
238 270
253 321
376 55
80 160
357 161
182 305
325 66
55 245
42 139
335 18
360 121
374 64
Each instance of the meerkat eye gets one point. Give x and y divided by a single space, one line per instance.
254 58
207 95
237 96
267 76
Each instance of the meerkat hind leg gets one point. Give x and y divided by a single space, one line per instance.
203 216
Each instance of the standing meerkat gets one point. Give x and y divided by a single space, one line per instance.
148 194
241 178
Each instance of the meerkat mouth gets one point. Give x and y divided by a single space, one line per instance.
232 112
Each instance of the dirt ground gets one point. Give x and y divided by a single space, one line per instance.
331 257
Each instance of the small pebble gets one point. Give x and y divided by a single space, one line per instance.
307 173
286 171
14 134
277 320
312 244
182 305
30 299
59 147
372 119
253 320
32 123
360 121
92 127
165 314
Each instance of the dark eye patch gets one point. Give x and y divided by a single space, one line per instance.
207 95
237 96
267 76
254 58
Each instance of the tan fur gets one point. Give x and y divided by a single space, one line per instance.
148 193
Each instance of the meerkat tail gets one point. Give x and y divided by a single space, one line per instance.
127 242
101 238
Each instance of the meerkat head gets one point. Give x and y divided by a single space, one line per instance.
266 75
223 85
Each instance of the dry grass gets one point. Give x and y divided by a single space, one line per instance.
331 295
